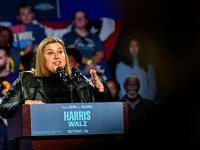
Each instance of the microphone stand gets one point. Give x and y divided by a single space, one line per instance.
67 81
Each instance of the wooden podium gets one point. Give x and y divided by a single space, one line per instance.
68 125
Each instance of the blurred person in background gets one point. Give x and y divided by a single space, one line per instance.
114 89
140 110
135 63
88 44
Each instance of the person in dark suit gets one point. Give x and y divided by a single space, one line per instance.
140 110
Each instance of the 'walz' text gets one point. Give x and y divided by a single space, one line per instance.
77 118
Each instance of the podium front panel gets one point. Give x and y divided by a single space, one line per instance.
77 119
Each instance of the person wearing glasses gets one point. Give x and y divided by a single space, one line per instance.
89 45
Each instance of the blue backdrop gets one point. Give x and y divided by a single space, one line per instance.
96 9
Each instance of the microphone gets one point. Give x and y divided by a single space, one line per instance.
73 82
72 78
67 79
61 72
76 74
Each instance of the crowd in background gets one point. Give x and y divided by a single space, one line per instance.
134 81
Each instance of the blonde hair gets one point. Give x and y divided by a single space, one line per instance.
40 68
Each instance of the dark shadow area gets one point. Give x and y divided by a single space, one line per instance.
169 32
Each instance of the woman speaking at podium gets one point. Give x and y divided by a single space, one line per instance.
44 85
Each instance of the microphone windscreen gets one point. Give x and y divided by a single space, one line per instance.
59 70
75 70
